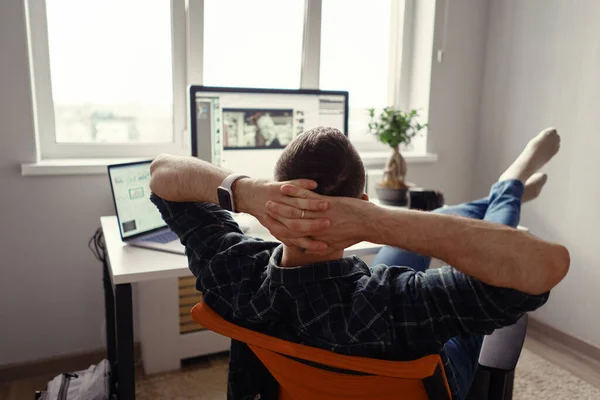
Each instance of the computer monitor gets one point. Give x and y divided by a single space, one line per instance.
224 118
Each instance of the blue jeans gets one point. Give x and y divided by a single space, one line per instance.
502 206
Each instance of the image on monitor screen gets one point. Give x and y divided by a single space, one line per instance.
229 119
258 128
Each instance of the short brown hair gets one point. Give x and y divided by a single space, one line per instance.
326 156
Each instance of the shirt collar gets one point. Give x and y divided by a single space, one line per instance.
340 268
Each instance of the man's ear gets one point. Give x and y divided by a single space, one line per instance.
365 197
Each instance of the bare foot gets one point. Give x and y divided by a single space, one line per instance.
536 154
533 186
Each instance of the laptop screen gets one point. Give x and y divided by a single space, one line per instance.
131 192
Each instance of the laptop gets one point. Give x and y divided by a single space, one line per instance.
140 222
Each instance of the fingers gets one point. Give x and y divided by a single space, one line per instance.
284 210
305 204
295 191
304 183
302 197
302 226
281 232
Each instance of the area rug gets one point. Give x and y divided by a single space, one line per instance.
535 378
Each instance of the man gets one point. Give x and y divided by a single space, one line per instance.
305 291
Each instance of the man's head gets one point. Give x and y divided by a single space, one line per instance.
326 156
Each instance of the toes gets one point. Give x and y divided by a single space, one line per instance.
539 178
549 132
542 181
548 140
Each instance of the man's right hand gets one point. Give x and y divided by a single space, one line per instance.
349 218
481 249
252 195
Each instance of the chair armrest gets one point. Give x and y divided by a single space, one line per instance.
501 349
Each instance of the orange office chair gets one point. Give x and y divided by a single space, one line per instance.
421 379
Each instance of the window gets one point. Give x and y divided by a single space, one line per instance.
254 43
355 42
104 78
110 79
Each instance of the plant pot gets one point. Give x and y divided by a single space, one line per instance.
393 197
425 199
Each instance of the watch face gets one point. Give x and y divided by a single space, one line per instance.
224 199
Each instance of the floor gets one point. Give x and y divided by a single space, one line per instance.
541 374
545 371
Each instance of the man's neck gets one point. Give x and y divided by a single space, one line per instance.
295 257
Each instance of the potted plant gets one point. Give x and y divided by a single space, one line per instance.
394 128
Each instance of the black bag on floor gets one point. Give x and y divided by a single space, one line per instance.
90 384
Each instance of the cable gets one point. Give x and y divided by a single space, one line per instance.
97 245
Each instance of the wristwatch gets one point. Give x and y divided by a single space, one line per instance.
225 192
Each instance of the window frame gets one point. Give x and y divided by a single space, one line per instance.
43 103
187 34
399 62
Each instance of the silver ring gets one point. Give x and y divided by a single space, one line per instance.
303 211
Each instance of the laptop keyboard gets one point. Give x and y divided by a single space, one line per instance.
163 237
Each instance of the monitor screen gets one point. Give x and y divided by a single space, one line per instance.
244 119
131 192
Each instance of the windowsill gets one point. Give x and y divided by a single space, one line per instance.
72 166
97 166
377 159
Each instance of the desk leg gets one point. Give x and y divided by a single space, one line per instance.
111 340
124 319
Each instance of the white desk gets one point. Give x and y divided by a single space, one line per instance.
154 274
129 264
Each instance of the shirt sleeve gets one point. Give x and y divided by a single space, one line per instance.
221 257
442 303
205 229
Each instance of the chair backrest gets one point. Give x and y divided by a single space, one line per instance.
420 379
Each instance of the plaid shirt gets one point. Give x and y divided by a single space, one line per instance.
386 312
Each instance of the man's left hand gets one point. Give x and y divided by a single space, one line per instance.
252 195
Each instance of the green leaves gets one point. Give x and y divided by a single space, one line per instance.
395 127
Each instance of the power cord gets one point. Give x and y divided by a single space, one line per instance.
98 246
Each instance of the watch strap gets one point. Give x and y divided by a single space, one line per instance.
230 180
228 183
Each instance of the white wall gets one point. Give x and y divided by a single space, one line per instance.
450 90
50 284
454 96
543 69
50 287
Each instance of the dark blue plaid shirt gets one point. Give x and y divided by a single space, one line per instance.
386 312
